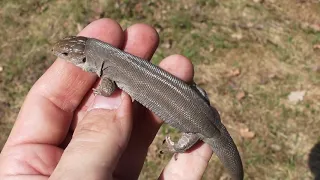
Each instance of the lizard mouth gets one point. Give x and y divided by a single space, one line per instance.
62 55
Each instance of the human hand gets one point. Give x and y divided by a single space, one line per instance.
63 131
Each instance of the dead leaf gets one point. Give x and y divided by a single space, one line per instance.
225 176
167 44
233 84
138 8
237 36
315 68
315 27
250 25
316 46
275 147
158 30
234 72
296 96
79 27
211 48
245 133
240 95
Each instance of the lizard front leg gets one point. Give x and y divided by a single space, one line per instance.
201 92
105 88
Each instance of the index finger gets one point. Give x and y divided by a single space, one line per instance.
47 111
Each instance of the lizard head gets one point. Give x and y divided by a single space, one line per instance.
71 49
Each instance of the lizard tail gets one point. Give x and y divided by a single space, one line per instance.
227 152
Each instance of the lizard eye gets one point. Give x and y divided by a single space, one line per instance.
84 60
65 53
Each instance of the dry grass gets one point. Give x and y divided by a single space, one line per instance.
249 56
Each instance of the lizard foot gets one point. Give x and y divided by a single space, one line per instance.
170 146
96 91
186 141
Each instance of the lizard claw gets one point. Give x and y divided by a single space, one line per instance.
170 145
169 141
96 91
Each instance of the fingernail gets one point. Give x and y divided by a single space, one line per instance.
110 103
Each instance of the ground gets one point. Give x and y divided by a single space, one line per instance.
257 59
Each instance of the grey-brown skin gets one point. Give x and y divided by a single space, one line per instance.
182 106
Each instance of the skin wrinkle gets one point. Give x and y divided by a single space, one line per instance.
44 92
198 154
39 169
201 157
24 163
80 141
67 100
29 162
59 99
103 126
21 139
80 83
91 127
30 177
53 103
48 167
62 100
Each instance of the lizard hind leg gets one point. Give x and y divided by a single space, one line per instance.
186 141
105 88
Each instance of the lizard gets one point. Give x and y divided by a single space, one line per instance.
183 106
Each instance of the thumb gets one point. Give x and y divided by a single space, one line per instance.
97 143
